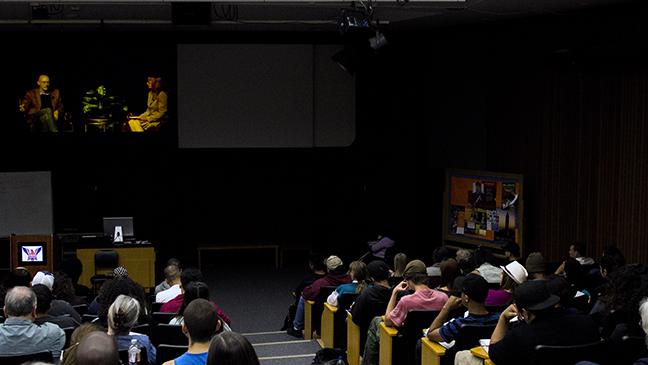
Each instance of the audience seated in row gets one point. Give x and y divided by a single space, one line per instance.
58 307
195 290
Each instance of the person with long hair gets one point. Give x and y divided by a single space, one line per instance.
231 348
122 317
156 107
195 290
359 274
113 288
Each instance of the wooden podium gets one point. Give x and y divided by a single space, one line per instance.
33 252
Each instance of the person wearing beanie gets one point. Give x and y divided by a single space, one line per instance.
536 266
336 275
414 277
373 300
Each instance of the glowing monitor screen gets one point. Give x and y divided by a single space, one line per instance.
32 254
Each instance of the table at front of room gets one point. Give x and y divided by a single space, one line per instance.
138 260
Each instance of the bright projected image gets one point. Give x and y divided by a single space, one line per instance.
483 207
98 88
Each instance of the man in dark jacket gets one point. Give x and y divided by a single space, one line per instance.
543 325
43 106
373 300
336 275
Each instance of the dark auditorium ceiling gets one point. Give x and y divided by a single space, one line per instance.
279 15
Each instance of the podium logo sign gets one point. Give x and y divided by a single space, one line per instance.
32 253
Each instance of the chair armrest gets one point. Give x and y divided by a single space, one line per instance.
387 335
330 308
431 352
479 352
391 331
433 346
308 319
353 341
328 325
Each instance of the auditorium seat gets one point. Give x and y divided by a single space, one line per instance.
467 338
398 345
169 352
168 334
333 324
44 356
163 317
562 355
68 335
81 309
313 312
354 347
88 318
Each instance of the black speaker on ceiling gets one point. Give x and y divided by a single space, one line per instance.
191 13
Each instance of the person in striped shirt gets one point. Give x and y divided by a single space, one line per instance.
474 290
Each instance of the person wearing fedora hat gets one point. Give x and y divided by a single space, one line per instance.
415 277
543 324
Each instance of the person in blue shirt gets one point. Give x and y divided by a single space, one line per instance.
200 324
358 272
474 290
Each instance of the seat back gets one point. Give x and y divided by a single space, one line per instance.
345 300
105 260
404 345
169 334
88 318
169 352
81 308
163 317
339 318
144 329
629 349
415 322
44 356
470 333
325 291
564 355
156 306
68 336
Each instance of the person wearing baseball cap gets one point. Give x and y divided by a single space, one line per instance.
474 290
414 278
544 325
336 275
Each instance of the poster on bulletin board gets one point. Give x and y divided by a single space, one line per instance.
483 208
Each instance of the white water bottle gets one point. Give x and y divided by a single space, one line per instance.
133 352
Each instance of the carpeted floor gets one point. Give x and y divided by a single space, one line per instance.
256 296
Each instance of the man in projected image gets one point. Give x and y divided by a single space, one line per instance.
43 106
156 109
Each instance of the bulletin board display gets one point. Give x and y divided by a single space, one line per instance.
483 208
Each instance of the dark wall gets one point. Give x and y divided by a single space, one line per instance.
559 100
